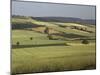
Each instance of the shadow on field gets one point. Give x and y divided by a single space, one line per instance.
69 35
40 45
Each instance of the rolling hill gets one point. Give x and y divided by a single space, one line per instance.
66 19
35 50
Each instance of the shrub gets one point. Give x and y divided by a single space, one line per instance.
17 43
85 42
46 31
31 38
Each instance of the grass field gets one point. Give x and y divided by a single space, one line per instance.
65 52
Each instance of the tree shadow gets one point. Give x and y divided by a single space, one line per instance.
40 45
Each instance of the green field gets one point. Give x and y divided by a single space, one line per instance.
64 52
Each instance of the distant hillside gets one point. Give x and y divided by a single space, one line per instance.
60 19
66 19
59 27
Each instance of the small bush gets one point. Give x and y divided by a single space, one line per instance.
85 42
17 43
31 38
46 31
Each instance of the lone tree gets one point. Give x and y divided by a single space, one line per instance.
46 30
31 38
85 41
17 43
